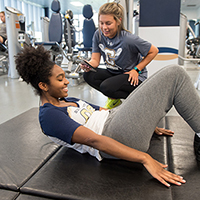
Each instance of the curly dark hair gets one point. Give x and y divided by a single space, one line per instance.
34 65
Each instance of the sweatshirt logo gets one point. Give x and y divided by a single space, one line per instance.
111 55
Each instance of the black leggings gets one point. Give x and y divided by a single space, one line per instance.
111 85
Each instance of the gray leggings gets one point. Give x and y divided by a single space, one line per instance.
134 122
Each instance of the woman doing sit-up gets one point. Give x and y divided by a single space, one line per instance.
123 132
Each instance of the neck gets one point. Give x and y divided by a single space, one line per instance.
46 99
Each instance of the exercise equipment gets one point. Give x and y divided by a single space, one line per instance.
55 31
70 61
62 51
69 31
45 28
14 23
88 30
193 44
4 57
72 58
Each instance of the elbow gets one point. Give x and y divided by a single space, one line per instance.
157 50
154 50
90 141
95 142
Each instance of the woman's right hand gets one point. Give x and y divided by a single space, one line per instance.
157 170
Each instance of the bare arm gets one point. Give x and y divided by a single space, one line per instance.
148 58
95 59
110 146
133 75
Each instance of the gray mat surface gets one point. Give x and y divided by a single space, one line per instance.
24 149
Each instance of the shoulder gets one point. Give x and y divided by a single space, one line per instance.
128 35
46 107
55 122
51 117
125 33
134 40
48 111
96 34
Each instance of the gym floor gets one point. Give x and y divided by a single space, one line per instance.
18 97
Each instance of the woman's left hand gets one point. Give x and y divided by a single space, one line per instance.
133 77
162 131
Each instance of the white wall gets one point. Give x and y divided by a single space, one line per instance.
192 13
198 11
161 36
31 12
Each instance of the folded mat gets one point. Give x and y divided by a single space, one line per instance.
182 159
24 149
8 195
71 175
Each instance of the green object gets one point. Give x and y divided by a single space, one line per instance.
112 103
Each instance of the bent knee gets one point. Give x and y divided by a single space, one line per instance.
106 89
174 68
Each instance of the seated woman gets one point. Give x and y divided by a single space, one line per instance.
123 132
125 56
3 35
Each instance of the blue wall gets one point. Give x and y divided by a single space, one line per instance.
159 13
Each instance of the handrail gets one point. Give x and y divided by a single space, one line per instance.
189 59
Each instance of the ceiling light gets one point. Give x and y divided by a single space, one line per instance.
76 3
191 5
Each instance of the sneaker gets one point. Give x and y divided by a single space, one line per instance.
197 146
112 103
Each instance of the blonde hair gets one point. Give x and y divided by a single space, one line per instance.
116 10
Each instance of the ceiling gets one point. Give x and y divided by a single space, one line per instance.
190 4
65 4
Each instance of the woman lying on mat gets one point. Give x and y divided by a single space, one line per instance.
123 132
